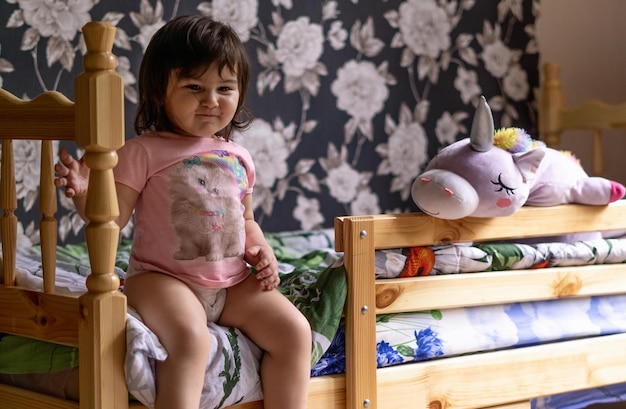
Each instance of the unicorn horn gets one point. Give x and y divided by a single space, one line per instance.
481 135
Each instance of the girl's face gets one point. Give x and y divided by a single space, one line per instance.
205 105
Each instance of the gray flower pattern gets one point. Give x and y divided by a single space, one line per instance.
351 98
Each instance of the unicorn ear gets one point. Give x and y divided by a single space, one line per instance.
481 135
528 162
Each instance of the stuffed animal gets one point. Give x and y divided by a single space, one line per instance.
493 174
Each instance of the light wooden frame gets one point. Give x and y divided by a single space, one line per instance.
493 379
557 116
95 322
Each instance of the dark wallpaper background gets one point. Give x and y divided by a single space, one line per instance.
351 97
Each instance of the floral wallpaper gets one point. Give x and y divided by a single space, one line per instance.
351 97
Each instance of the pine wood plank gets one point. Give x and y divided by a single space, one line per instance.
419 229
48 116
102 341
99 92
327 392
360 312
48 225
504 377
48 317
594 114
8 205
463 290
16 398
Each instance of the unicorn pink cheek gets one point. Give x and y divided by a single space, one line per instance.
503 202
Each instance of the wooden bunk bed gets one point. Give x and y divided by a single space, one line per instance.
95 321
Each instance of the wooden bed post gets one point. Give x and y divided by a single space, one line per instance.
99 93
361 390
48 226
552 101
8 205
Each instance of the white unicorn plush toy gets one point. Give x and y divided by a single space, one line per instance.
493 174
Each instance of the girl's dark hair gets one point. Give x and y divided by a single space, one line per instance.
189 44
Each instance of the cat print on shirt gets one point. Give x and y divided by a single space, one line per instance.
205 207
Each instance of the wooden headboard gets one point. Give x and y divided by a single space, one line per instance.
95 322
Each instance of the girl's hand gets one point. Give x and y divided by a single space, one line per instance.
72 174
263 260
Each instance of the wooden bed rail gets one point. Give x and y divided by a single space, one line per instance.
48 117
418 229
95 322
359 236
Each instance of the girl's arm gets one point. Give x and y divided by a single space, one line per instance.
126 200
259 253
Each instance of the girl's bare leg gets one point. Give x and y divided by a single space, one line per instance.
173 312
272 322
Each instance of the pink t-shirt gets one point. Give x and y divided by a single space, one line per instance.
189 215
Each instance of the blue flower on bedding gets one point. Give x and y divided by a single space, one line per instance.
334 359
386 355
428 344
